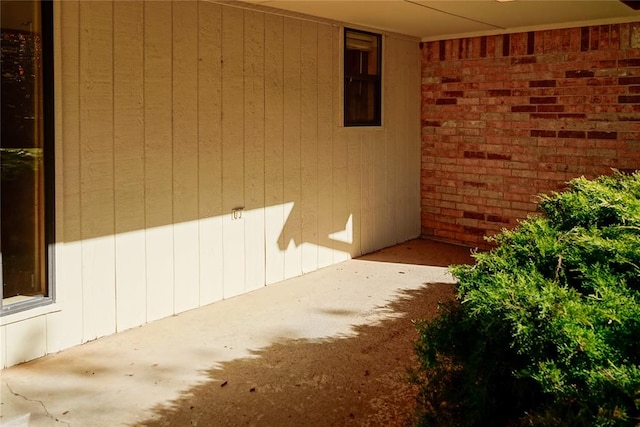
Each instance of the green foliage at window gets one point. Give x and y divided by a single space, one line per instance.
15 162
546 329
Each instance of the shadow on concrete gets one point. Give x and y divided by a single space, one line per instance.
356 380
423 252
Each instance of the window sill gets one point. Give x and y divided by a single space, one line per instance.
37 311
368 128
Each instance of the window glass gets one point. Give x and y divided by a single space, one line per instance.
362 82
22 153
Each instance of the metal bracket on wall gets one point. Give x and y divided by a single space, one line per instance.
236 213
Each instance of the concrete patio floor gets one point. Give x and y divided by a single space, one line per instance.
146 373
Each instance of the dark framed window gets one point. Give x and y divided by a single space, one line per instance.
26 154
362 78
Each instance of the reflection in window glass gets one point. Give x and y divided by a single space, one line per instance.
22 244
362 82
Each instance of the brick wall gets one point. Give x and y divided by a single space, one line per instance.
508 117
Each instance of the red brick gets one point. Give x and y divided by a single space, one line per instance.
597 93
542 83
543 100
579 74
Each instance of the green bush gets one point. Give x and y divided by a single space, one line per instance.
546 326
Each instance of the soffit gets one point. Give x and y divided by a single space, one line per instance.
432 20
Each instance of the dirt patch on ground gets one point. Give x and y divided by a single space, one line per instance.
356 380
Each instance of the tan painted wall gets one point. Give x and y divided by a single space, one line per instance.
171 114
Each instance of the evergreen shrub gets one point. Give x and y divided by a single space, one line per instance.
546 327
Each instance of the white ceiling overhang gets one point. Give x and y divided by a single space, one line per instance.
434 20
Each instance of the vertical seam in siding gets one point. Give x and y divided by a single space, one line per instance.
282 200
317 221
79 84
144 157
300 139
244 149
264 148
173 246
197 104
113 166
221 109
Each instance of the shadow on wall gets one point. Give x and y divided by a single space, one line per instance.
359 379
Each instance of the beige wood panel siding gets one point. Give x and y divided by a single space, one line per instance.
171 115
325 115
97 168
354 188
128 113
309 145
254 128
292 168
368 193
342 235
3 347
408 62
158 162
210 152
185 155
392 115
64 328
31 330
274 149
412 63
233 185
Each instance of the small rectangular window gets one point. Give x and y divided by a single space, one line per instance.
26 155
362 78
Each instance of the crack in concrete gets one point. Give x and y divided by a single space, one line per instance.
46 411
